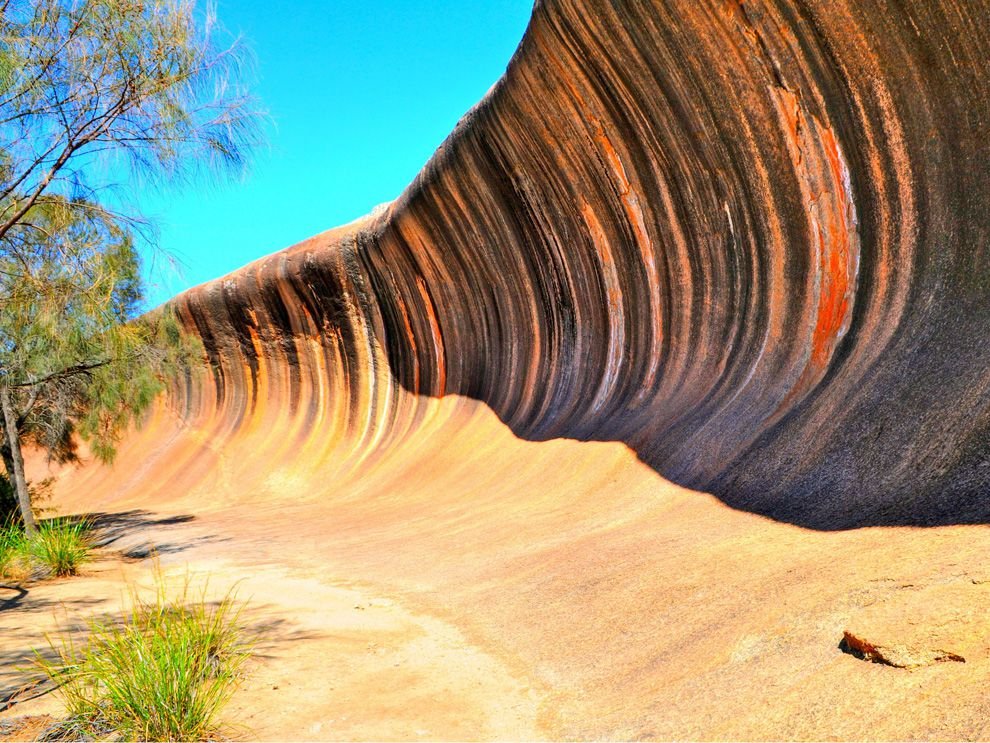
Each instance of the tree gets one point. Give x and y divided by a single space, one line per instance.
73 359
91 90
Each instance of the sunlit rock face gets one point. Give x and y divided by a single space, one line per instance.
748 239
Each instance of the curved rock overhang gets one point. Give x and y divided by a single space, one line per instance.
749 239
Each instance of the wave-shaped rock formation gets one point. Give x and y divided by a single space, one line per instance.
746 238
740 246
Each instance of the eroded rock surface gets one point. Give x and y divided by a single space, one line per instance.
920 626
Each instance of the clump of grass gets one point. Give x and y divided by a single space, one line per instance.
160 672
15 553
62 545
59 548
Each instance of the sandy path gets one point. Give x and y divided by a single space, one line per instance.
687 620
334 661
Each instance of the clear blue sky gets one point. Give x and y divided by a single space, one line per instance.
360 94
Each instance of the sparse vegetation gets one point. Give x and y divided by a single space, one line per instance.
62 545
162 671
14 553
58 548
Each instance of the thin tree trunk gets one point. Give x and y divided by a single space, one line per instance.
8 458
14 442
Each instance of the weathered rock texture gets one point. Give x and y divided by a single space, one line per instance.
922 625
748 239
738 245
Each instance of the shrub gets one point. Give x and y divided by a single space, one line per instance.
8 501
41 495
162 671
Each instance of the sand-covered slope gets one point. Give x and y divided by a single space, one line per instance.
736 247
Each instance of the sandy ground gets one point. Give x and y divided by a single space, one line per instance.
333 661
538 590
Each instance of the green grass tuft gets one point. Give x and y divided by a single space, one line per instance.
14 551
161 672
59 548
62 545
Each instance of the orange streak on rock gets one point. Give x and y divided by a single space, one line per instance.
616 339
838 257
834 247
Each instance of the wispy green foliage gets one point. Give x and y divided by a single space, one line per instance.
90 89
89 85
73 356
